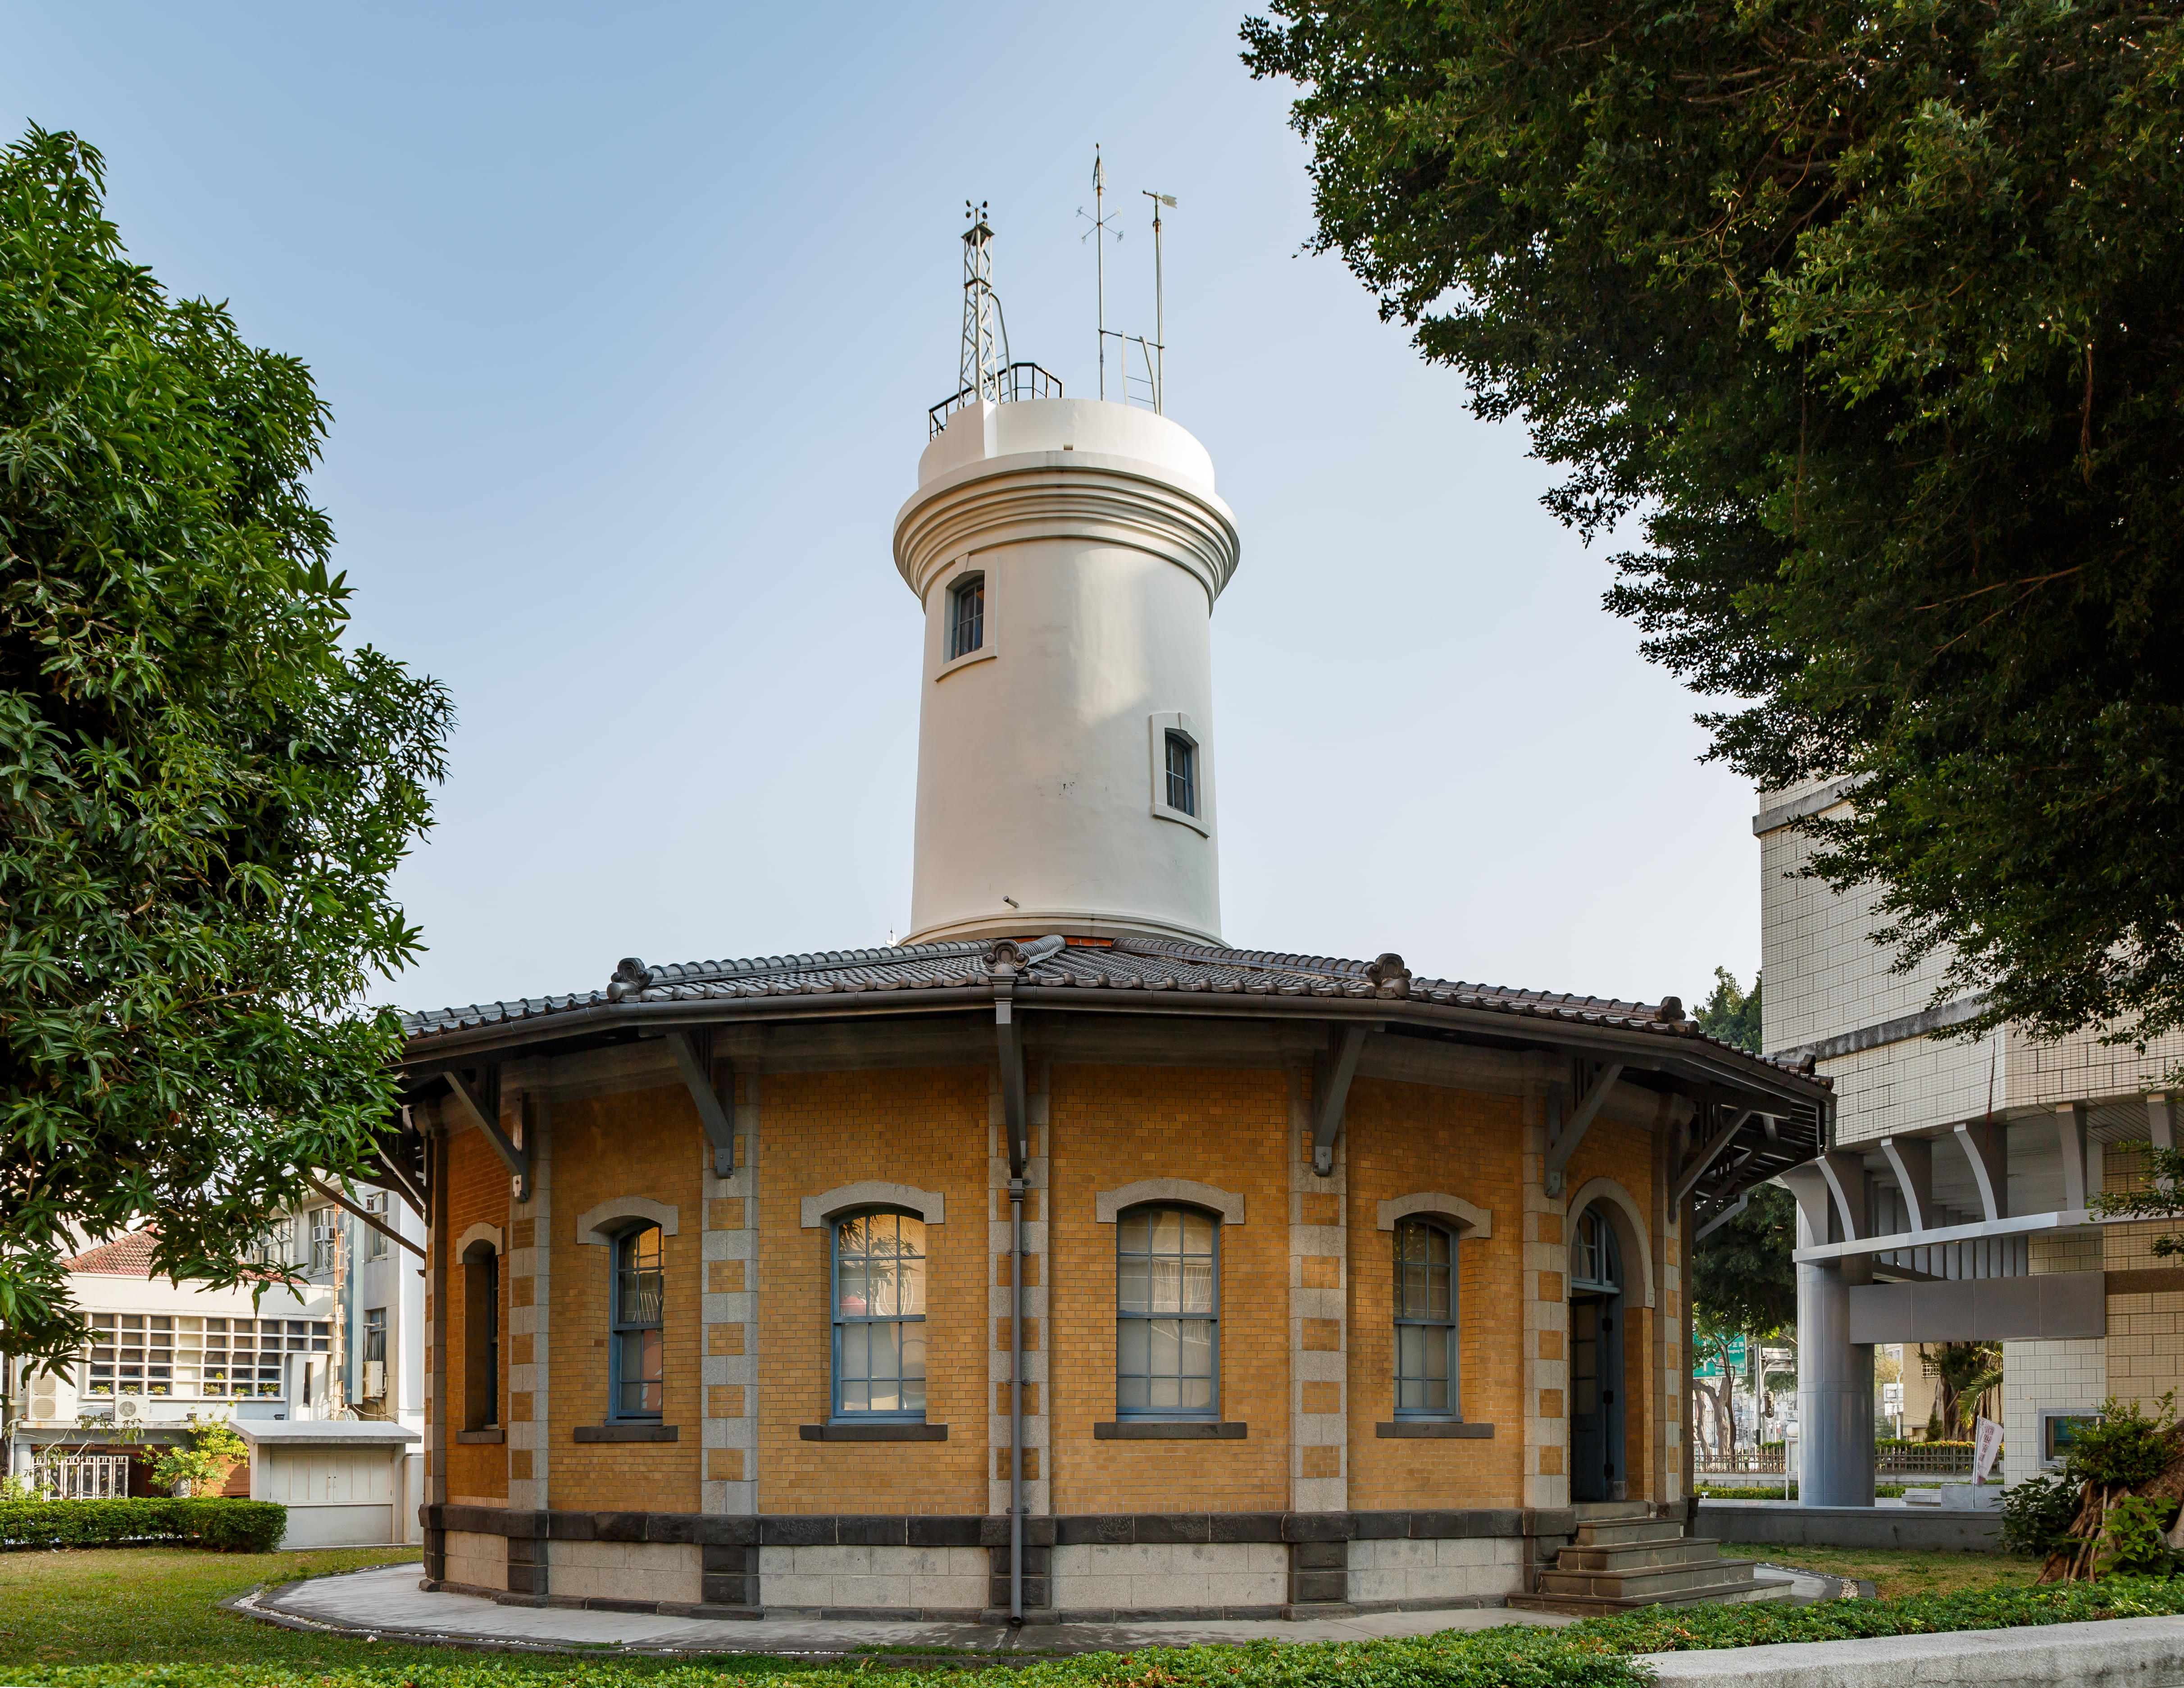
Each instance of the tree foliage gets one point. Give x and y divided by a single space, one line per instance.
1742 1276
1966 1371
202 792
1872 315
1731 1014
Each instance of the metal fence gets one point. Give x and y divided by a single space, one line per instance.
1940 1459
82 1477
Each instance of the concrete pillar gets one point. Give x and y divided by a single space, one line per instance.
1835 1375
1546 1307
529 1272
1319 1359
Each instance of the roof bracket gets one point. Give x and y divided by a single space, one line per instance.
1709 1153
711 1079
1330 1090
482 1104
1987 1148
1562 1144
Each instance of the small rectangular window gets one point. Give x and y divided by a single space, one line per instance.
374 1247
1182 774
966 616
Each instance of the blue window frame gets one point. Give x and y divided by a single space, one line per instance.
966 616
879 1316
1168 1313
636 1386
1425 1320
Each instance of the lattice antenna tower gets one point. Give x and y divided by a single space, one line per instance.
985 330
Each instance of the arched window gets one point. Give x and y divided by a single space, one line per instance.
481 1337
1168 1307
879 1316
1425 1320
637 1386
1595 1258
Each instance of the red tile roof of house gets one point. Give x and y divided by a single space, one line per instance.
128 1256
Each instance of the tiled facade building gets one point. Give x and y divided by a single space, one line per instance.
1954 1202
1063 1260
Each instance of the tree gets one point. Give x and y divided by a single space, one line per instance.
1966 1371
1742 1276
1872 316
203 792
1729 1014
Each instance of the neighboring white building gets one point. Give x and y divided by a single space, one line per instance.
1953 1204
349 1346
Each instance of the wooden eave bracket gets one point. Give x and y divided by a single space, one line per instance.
1333 1095
1562 1144
711 1082
1709 1152
483 1106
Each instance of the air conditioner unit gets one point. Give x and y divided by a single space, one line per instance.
52 1399
129 1409
375 1380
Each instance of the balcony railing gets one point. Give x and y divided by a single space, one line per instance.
1018 381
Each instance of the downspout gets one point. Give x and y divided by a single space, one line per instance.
1006 959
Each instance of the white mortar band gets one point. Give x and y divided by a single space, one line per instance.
1228 1203
593 1222
930 1205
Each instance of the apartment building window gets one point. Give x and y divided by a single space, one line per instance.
879 1316
374 1357
638 1384
192 1357
1425 1320
375 1245
326 1241
276 1247
1167 1313
966 616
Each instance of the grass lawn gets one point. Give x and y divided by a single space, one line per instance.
109 1605
1897 1571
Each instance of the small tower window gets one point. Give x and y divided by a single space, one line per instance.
966 616
1182 774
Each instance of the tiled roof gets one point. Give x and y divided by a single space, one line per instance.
128 1256
1136 964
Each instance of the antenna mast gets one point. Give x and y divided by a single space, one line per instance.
1160 305
985 336
1096 234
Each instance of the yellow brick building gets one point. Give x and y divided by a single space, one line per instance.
1061 1259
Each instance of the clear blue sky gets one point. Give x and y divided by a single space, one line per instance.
629 317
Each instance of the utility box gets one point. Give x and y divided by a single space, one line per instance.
342 1480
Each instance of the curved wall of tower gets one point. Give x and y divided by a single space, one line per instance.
1094 536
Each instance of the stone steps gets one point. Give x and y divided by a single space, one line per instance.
1625 1558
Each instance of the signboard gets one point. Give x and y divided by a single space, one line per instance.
1711 1367
1986 1443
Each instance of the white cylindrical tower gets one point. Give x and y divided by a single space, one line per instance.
1068 554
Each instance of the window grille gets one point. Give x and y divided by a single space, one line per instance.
193 1357
1167 1313
879 1316
966 616
373 1357
1182 774
1425 1320
82 1477
639 1291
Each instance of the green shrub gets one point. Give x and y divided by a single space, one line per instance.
2126 1447
2037 1513
231 1526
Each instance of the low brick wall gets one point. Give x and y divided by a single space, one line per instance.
1923 1527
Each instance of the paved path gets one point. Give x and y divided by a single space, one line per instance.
386 1601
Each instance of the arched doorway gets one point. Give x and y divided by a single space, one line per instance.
1596 1359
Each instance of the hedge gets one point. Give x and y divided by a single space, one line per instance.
231 1526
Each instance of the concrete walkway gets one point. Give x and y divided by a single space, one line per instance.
386 1602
